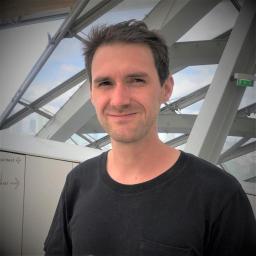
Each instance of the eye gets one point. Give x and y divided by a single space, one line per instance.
104 83
137 81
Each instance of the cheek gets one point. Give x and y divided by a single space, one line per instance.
97 101
153 104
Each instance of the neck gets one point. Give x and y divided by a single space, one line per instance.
139 161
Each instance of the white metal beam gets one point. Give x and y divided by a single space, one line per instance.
183 16
93 14
243 150
186 100
71 117
178 141
183 123
232 149
223 97
158 16
195 53
46 98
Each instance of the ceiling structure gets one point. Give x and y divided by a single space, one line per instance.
231 47
22 12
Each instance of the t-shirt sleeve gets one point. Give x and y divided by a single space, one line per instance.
58 241
234 230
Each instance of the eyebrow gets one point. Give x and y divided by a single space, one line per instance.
130 75
137 74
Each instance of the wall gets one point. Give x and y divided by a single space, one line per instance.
31 180
30 187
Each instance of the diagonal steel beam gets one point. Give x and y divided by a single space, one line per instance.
223 98
183 18
46 98
247 110
38 111
92 15
232 149
187 100
195 53
100 142
23 20
178 141
59 35
246 149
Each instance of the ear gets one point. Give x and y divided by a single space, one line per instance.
167 88
91 95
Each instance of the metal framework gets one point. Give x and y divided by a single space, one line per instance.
230 50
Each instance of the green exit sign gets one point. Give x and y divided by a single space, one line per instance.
244 82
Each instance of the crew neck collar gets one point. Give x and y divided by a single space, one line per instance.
168 175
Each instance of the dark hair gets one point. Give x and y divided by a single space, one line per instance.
131 31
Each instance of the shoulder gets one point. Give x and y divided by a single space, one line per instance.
86 166
214 189
211 179
85 173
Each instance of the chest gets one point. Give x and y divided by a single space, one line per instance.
157 223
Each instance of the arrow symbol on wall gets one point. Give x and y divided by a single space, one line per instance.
16 183
18 160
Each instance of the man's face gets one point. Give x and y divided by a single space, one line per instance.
126 91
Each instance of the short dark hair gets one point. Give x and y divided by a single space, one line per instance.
131 31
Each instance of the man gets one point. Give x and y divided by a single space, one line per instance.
144 197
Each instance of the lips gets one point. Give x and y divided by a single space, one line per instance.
120 117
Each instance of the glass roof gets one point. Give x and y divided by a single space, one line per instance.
67 60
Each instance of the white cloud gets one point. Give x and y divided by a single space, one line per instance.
68 68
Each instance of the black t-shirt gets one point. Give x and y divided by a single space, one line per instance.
194 208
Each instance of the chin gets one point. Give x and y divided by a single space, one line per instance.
125 138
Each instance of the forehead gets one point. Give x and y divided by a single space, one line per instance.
122 55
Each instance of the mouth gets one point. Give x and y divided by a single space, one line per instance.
126 116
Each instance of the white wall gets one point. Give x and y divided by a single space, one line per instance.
44 180
12 170
31 180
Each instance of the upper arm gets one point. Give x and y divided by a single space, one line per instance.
58 240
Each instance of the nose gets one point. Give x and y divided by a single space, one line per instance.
120 96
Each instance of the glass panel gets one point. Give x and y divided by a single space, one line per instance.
30 125
76 139
65 61
69 141
57 103
97 136
193 109
191 79
107 147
